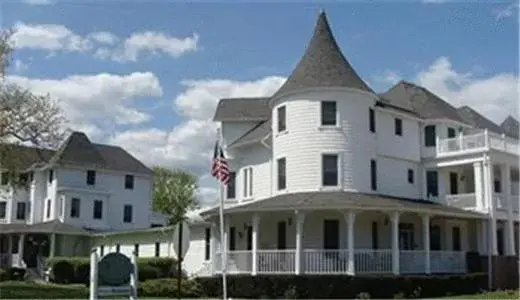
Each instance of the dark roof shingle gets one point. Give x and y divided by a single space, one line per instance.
242 109
475 119
418 99
323 64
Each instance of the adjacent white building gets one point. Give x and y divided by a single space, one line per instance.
330 177
60 198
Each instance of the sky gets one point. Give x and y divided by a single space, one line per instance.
147 74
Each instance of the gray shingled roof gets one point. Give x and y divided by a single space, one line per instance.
421 101
242 109
323 64
78 150
255 134
475 119
334 200
511 127
55 226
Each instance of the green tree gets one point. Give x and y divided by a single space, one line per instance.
25 118
173 193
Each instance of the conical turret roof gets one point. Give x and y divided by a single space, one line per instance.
323 64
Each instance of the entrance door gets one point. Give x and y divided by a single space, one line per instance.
330 234
500 241
406 236
435 238
454 183
282 235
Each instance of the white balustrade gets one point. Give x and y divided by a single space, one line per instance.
448 261
373 261
461 200
478 142
412 261
276 261
321 261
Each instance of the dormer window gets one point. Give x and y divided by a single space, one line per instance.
91 177
328 113
281 119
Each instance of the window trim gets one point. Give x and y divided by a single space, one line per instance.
132 185
284 129
398 126
411 176
371 120
94 209
131 213
339 176
24 211
373 174
425 141
78 210
247 182
87 182
278 188
321 125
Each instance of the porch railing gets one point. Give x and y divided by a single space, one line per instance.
320 261
477 142
461 200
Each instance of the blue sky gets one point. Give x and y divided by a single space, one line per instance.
150 82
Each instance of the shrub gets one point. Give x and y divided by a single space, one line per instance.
12 274
77 269
342 286
167 287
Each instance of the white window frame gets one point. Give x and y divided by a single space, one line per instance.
278 131
338 121
277 190
339 186
247 182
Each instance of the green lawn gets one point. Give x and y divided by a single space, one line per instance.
490 295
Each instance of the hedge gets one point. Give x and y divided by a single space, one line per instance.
342 286
77 269
12 274
165 287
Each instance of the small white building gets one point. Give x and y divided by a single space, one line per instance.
328 176
64 196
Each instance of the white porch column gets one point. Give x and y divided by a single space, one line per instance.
350 220
426 242
300 218
52 246
506 193
490 204
213 247
395 242
254 243
21 242
479 191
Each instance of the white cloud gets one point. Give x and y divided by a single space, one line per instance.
97 99
149 42
39 2
507 11
19 66
188 145
104 37
49 37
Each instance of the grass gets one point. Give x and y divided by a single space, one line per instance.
489 295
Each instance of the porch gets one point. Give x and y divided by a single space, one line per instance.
369 240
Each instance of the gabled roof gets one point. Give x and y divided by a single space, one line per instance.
475 119
242 109
323 64
418 99
511 127
79 151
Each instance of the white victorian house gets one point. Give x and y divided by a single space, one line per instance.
64 197
330 177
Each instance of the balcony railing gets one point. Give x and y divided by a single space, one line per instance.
477 142
320 261
469 201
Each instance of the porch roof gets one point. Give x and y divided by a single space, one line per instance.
344 200
54 226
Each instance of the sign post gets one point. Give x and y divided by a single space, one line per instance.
181 236
113 275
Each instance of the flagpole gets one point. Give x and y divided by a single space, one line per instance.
223 237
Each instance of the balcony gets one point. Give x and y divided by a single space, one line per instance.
483 141
469 201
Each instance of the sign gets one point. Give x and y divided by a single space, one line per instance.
114 290
184 239
114 269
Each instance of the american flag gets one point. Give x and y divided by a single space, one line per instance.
219 168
